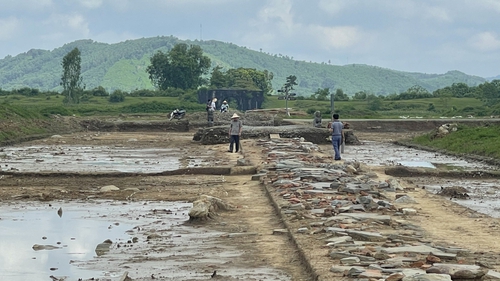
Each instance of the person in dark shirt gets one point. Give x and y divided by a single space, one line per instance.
337 134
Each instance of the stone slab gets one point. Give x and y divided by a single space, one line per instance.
421 249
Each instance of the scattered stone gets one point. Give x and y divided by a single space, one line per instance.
421 249
458 271
492 275
371 274
354 272
395 277
103 247
409 211
108 188
350 260
280 231
428 277
38 247
394 183
366 236
341 269
153 236
206 207
338 240
302 230
405 200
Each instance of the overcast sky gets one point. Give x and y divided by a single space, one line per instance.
429 36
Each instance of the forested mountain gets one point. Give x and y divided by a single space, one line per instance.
123 66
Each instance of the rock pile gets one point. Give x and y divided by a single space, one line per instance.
443 130
362 221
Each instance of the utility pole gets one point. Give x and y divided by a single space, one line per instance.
332 104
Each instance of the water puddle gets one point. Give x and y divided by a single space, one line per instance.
387 154
66 158
149 238
484 193
41 240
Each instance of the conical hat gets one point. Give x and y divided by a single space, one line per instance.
235 116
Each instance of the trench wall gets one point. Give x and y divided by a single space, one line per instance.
412 125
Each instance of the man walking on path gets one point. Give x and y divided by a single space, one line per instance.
235 132
337 134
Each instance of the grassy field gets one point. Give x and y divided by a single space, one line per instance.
482 141
426 108
94 105
30 112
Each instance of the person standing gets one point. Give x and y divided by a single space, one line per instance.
210 111
337 134
213 105
235 132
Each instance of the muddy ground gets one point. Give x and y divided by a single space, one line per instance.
444 220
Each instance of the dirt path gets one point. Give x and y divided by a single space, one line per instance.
254 218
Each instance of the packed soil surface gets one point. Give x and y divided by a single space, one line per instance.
442 219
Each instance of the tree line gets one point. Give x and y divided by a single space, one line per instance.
184 69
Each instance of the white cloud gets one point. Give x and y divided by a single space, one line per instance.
337 37
335 7
91 4
437 13
277 12
489 4
69 23
485 41
26 5
10 27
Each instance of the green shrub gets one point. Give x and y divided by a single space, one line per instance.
117 96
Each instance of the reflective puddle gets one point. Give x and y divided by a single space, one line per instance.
39 240
387 154
149 239
484 193
66 158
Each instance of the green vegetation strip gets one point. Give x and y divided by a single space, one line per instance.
483 141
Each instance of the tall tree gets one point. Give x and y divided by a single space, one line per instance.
182 67
290 82
490 92
322 94
242 78
71 79
340 95
218 79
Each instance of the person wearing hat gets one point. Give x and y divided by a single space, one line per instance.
224 107
235 132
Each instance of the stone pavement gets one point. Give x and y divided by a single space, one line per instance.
364 223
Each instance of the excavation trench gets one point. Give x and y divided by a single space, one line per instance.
157 175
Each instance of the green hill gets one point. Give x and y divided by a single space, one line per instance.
123 66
